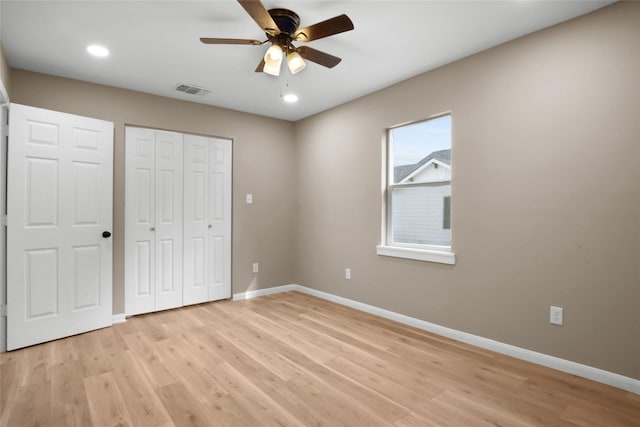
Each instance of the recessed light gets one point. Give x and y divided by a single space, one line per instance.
290 98
97 50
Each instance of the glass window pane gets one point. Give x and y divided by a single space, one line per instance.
421 152
418 214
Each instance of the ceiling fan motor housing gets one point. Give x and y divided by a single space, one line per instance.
286 20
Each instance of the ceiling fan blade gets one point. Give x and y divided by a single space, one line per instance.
259 13
336 25
260 67
319 57
208 40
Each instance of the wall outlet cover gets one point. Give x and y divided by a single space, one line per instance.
556 315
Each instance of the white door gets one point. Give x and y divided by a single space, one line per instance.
153 220
207 219
59 201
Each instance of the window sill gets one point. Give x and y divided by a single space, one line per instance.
442 257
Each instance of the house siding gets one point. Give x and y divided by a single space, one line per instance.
417 214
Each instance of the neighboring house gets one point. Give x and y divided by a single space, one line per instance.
421 213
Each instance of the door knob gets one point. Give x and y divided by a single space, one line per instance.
106 234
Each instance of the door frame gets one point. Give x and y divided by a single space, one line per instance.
4 135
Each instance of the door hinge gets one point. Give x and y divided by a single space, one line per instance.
3 220
3 311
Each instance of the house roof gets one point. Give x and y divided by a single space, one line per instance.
403 171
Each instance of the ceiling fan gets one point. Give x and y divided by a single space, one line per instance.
281 29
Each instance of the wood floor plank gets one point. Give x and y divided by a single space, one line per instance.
189 371
70 406
289 360
143 404
149 359
406 396
414 420
111 341
106 404
8 388
261 347
248 394
282 392
181 405
324 389
31 405
596 415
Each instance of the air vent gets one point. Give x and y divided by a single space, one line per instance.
192 90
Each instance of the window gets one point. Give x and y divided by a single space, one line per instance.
446 214
418 192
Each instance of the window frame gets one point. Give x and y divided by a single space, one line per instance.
388 247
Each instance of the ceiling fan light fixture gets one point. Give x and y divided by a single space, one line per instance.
273 54
274 70
295 62
273 60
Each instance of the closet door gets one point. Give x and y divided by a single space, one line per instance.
207 219
139 248
196 218
153 220
219 278
168 224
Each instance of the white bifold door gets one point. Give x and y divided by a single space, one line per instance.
59 246
153 220
177 220
207 219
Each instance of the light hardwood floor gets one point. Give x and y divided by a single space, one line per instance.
289 360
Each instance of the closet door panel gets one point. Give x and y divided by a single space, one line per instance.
140 152
219 277
168 220
195 219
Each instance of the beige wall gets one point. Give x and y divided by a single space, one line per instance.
262 165
546 194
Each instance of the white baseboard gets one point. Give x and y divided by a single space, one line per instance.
262 292
578 369
119 318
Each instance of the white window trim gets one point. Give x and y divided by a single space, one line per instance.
442 256
429 253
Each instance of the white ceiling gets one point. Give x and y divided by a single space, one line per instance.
155 45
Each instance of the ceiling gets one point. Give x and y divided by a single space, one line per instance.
155 45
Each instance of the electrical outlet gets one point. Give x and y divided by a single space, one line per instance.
256 267
555 315
249 198
347 273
